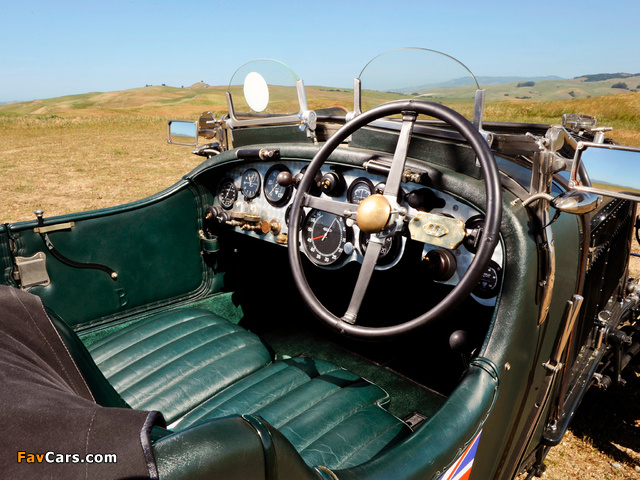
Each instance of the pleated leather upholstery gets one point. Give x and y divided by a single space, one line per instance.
330 415
194 366
174 361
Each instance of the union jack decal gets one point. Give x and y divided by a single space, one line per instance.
461 469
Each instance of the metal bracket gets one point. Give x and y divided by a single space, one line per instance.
437 230
571 311
54 228
32 271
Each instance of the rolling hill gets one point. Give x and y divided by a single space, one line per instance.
202 96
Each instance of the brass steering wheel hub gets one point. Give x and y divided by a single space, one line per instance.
373 214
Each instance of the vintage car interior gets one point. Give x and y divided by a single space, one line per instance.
386 290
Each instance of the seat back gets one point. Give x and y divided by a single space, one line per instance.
104 394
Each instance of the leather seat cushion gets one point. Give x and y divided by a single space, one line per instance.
194 366
332 416
174 361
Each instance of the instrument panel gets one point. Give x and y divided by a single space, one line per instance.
255 199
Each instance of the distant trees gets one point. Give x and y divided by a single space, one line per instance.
620 85
526 84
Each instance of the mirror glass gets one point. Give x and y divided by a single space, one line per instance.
611 169
182 132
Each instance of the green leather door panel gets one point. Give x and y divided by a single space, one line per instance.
153 246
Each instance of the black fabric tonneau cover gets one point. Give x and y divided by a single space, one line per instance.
51 425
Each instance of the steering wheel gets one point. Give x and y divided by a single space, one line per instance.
381 216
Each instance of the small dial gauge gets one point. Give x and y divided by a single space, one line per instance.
276 194
388 252
359 189
489 283
324 237
250 183
227 193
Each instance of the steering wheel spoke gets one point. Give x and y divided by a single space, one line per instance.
364 277
342 209
394 179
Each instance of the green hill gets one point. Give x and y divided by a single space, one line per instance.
132 99
206 97
524 101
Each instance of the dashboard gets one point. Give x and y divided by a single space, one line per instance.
255 198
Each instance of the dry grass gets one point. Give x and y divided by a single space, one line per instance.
67 164
76 156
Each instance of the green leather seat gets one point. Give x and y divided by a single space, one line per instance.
330 415
174 361
194 366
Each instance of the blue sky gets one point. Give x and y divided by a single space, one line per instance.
53 48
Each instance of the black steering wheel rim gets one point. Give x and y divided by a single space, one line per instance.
486 246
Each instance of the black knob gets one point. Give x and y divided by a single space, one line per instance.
460 341
332 184
441 264
424 200
285 179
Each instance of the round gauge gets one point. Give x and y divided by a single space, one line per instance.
389 250
227 193
359 189
250 183
276 194
489 284
324 237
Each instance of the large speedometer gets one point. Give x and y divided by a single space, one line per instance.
324 237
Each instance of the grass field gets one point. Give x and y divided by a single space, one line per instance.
96 150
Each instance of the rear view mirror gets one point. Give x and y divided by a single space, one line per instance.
182 132
610 170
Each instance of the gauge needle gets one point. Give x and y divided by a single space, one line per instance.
325 233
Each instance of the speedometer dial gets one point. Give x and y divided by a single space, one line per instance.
250 183
276 194
324 237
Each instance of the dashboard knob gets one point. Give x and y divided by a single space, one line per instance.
285 179
441 264
424 200
333 184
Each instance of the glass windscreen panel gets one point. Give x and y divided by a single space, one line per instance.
420 73
264 88
610 169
